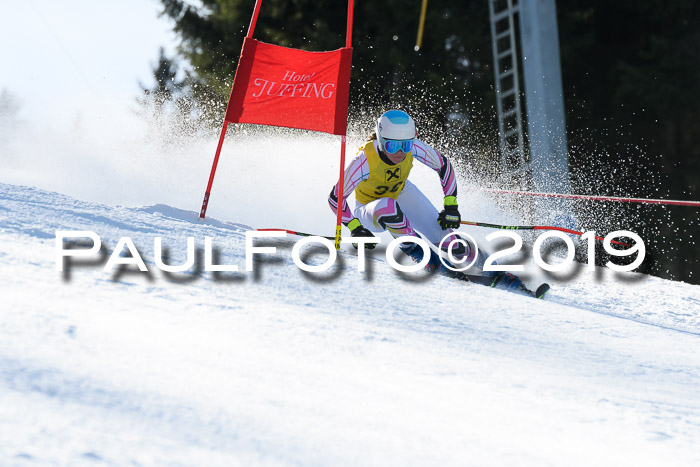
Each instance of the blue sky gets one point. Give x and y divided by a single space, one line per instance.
79 58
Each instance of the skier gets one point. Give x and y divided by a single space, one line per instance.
387 201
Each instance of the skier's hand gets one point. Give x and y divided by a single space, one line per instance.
450 218
358 230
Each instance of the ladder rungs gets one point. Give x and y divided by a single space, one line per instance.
506 74
510 112
505 53
508 150
510 133
503 34
505 13
513 152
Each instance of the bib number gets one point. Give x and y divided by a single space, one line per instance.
382 189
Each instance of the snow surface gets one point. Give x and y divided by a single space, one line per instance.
282 367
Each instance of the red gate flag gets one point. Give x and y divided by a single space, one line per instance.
292 88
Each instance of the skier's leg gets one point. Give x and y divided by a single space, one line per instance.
423 215
384 214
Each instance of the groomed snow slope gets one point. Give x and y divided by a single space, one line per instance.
281 367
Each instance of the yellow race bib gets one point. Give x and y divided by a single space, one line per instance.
385 181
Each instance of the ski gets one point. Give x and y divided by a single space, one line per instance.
505 281
487 281
542 290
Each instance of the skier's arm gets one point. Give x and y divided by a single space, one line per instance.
357 171
439 163
449 217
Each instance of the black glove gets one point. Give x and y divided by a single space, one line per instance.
449 218
358 230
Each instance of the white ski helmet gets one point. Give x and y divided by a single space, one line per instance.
395 125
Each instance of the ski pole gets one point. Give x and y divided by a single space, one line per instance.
294 232
535 227
477 224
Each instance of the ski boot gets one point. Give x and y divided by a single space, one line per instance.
508 281
415 252
504 280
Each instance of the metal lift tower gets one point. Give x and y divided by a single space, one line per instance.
544 99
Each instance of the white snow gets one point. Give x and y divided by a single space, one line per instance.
282 367
279 367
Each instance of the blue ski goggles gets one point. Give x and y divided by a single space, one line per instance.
392 146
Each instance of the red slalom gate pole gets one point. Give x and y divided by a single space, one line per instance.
341 191
294 232
343 141
207 193
348 32
534 227
597 198
205 203
254 19
476 224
